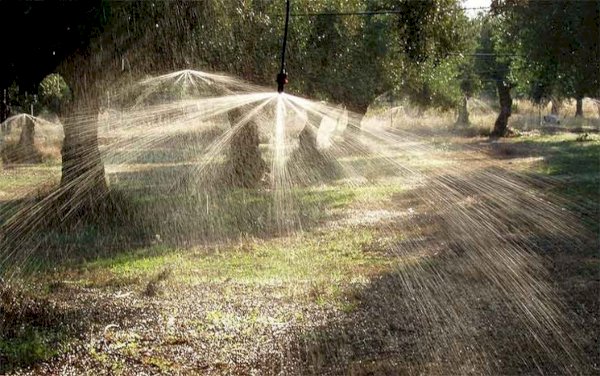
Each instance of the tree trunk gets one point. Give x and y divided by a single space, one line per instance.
307 140
501 125
308 162
579 110
308 153
4 113
246 166
351 135
355 118
463 112
26 139
556 107
83 181
25 151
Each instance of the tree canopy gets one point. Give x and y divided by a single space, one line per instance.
427 51
546 49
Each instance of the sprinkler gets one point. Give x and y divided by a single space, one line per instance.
282 77
281 80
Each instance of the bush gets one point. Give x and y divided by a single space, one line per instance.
54 92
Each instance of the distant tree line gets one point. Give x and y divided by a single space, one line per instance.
427 51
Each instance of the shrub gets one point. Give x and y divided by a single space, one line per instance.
54 92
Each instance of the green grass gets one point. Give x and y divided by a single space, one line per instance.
197 217
569 158
239 250
324 258
317 268
15 179
31 346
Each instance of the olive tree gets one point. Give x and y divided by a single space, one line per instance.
83 178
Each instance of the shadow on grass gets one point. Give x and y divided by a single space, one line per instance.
462 305
169 211
448 320
568 155
572 164
34 328
132 222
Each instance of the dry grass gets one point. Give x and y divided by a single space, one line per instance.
525 117
591 110
155 285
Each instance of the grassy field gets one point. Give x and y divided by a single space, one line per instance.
237 297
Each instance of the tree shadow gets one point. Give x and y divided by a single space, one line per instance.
461 299
433 319
561 157
571 166
35 328
446 307
168 206
163 196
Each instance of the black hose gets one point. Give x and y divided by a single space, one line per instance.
285 34
282 76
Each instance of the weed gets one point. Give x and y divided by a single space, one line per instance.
32 345
154 286
31 329
583 137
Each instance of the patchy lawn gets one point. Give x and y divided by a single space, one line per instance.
373 283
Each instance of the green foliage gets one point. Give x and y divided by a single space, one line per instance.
54 92
433 84
32 346
21 102
550 48
344 59
560 43
542 49
436 40
494 54
469 81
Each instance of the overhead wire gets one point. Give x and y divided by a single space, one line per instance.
362 13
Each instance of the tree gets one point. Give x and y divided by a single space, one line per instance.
4 107
581 68
54 93
67 27
349 60
83 180
434 37
467 77
342 59
494 55
245 165
469 84
555 48
20 103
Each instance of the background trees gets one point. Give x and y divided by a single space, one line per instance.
434 36
428 52
560 50
545 50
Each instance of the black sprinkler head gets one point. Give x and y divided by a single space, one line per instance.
282 80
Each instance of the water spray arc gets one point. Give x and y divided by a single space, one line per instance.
282 78
427 242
